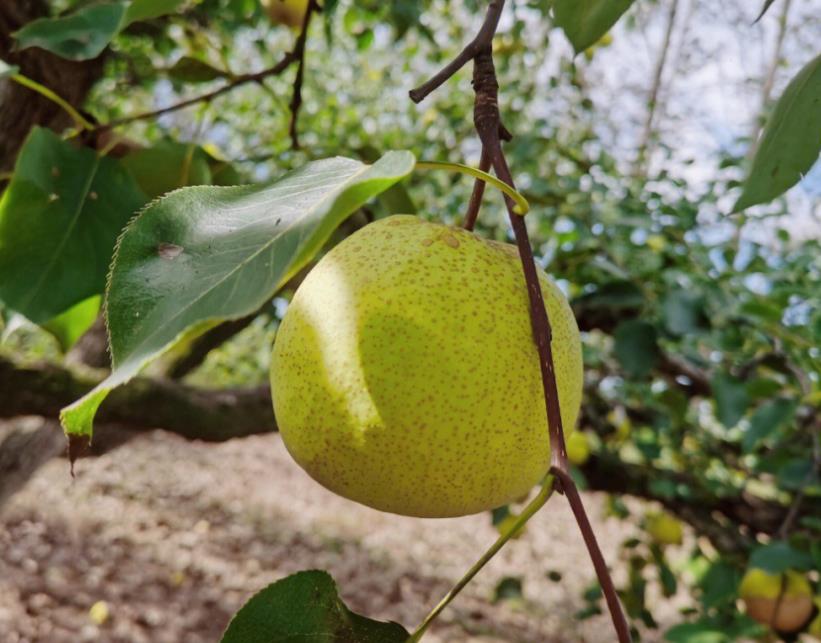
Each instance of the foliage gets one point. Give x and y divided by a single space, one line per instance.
701 331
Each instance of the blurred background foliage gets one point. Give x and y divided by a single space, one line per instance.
701 330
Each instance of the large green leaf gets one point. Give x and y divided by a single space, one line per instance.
766 421
791 140
168 165
305 608
59 220
69 326
86 32
204 254
585 21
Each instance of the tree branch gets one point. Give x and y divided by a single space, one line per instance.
482 40
143 403
243 79
299 52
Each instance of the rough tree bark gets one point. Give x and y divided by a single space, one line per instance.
21 108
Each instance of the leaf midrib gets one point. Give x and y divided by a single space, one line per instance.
137 349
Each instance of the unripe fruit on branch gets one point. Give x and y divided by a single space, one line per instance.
290 13
664 528
765 602
578 448
405 375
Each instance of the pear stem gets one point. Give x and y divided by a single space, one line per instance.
533 506
521 208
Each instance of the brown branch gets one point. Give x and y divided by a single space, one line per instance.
256 77
487 121
143 403
299 52
482 40
655 88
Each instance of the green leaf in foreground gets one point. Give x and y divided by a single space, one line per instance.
69 326
205 254
306 607
585 21
791 140
86 32
59 220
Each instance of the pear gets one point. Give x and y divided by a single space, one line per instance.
664 528
405 376
290 13
765 603
578 448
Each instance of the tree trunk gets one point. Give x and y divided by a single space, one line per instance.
21 108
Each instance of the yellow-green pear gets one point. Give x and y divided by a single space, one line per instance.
765 602
578 448
405 376
664 528
290 13
814 629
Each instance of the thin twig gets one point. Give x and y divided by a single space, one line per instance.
487 121
655 89
299 53
537 503
243 79
483 39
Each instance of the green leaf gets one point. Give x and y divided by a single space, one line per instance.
767 419
683 312
719 586
696 633
509 588
731 397
791 140
59 220
168 165
7 70
636 347
205 254
69 326
306 608
585 21
780 556
764 9
86 32
81 35
148 9
193 70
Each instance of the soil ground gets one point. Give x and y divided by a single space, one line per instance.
174 536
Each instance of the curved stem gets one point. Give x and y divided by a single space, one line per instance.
521 208
537 503
478 192
79 120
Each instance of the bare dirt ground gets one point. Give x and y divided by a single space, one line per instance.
175 536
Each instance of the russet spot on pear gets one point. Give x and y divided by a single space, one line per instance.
404 373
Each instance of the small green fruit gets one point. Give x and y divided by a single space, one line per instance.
405 376
760 592
578 448
290 13
664 528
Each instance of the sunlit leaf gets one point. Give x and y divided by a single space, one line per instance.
69 326
59 219
585 21
790 142
205 254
